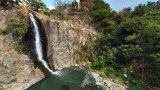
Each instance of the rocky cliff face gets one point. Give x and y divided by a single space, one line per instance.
17 70
63 36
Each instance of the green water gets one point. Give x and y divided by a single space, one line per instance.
68 79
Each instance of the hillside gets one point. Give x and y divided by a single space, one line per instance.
122 48
18 70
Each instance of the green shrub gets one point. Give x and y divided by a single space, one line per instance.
99 15
126 53
17 27
54 12
1 31
129 26
98 63
100 4
74 3
18 47
46 12
137 84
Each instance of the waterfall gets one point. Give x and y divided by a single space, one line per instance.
38 44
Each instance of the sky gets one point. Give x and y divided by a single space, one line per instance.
116 5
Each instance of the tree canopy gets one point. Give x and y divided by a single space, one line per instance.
129 43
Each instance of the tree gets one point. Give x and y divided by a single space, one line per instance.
140 10
100 4
151 5
37 5
100 15
126 12
158 5
9 3
129 42
126 53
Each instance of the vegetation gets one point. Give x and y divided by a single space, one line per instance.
17 27
127 48
9 3
52 12
1 31
37 5
128 44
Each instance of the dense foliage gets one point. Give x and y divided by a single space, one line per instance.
128 44
9 3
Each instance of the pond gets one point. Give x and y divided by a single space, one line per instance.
71 78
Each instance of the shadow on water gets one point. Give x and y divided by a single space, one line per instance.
71 78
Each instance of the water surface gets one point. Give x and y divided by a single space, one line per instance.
72 78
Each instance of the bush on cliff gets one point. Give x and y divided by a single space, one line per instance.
17 27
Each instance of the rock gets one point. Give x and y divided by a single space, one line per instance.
125 75
77 65
86 83
115 81
98 79
2 70
13 79
7 62
17 71
1 84
114 85
1 88
14 67
63 37
7 79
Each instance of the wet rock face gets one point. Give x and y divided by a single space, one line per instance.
62 38
61 52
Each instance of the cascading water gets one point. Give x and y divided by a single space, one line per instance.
71 78
38 44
